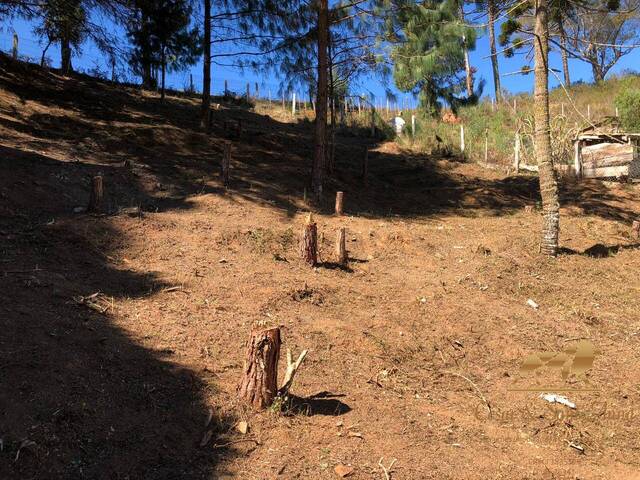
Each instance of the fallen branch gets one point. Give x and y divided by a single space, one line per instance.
486 403
233 442
292 368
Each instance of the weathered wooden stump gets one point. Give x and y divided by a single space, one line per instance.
97 195
635 230
365 166
259 382
226 163
339 203
341 247
309 243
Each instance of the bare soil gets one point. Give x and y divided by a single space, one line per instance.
414 347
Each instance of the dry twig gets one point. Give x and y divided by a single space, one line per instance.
386 470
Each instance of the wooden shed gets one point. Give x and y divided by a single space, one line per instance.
603 151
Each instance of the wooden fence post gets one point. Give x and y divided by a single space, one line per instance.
341 247
339 203
257 91
589 111
486 145
259 382
516 153
226 88
577 159
97 195
226 163
462 138
15 46
248 93
309 244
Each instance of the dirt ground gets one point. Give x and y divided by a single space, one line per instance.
414 348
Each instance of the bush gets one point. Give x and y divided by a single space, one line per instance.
628 103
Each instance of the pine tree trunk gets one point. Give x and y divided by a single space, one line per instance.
492 12
321 105
206 68
331 154
259 383
563 54
467 62
542 147
164 68
65 56
364 171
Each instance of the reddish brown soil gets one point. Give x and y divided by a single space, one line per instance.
407 346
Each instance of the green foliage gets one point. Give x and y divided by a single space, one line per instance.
63 20
628 104
162 36
429 55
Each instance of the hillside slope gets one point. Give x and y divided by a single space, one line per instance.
121 334
496 125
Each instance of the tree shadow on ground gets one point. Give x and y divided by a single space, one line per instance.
600 250
101 123
80 398
321 403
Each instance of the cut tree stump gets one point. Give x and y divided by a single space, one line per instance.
635 230
226 163
259 383
97 195
341 247
339 200
309 243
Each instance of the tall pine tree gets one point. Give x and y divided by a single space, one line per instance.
429 55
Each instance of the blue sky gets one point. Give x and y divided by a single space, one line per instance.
31 46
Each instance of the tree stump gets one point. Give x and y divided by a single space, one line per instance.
97 194
365 166
226 163
259 383
635 230
309 244
341 247
339 200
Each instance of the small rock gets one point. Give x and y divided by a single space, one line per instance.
343 470
533 304
242 427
